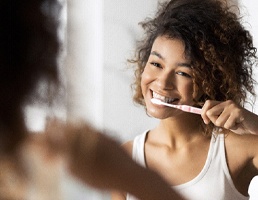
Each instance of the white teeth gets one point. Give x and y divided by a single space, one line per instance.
157 96
162 98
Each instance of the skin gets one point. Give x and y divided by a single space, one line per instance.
101 162
174 147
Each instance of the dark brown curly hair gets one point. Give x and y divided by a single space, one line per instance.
220 48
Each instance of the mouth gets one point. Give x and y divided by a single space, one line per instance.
164 98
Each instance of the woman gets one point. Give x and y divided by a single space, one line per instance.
197 53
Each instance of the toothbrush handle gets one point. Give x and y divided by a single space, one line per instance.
192 109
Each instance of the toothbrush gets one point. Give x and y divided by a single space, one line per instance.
185 108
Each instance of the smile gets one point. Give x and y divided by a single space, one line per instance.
163 98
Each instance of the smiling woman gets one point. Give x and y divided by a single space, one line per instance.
197 53
167 69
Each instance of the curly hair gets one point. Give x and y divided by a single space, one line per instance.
219 47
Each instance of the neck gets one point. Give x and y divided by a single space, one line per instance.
178 132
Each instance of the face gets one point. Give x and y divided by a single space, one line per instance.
167 76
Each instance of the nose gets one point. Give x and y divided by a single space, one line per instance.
165 81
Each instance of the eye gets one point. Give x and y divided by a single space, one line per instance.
184 74
156 64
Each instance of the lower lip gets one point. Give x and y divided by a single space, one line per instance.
158 105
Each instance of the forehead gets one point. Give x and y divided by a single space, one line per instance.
168 48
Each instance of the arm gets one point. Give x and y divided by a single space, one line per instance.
101 162
244 148
230 116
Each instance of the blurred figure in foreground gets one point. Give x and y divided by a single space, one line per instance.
29 163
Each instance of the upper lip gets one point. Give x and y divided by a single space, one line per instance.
163 98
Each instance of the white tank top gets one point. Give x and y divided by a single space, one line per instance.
212 183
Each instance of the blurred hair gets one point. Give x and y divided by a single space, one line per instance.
28 54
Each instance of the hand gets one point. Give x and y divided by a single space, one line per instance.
230 116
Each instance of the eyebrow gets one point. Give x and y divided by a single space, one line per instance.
155 53
184 65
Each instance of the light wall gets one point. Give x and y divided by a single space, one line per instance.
102 35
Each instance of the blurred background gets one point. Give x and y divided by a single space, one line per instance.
101 37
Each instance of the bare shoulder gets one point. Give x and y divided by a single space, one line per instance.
242 159
246 145
247 139
128 147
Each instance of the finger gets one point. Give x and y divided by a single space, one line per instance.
230 116
215 115
229 122
240 120
207 106
227 118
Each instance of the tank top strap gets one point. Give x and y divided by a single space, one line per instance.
138 148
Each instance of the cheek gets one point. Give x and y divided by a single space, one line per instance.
146 78
188 91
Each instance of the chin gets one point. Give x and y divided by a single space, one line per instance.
156 115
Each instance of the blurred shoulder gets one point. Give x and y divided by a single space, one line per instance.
128 147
